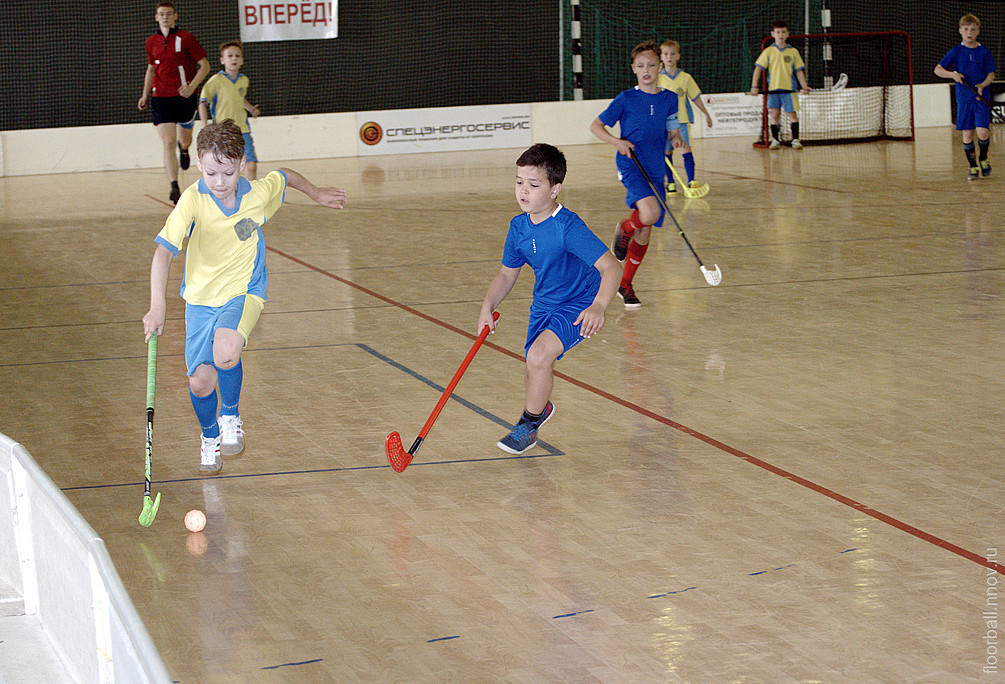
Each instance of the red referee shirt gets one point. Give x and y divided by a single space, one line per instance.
176 57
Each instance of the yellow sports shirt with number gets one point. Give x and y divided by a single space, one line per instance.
225 98
683 84
781 65
225 257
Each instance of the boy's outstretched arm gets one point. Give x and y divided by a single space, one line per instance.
592 317
500 286
600 130
334 198
153 321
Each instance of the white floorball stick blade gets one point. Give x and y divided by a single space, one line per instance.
840 83
712 277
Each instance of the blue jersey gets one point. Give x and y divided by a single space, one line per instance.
562 251
974 63
644 119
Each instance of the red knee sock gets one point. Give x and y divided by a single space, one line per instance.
631 224
632 261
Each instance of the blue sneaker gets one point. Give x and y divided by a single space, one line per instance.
524 435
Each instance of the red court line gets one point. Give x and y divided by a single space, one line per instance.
753 460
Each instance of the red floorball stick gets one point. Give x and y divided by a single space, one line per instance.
396 454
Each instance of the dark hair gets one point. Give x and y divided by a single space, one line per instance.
224 139
645 46
230 44
779 24
166 3
547 157
970 19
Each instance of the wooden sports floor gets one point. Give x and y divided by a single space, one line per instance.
797 475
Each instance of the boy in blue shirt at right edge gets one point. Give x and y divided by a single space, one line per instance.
970 62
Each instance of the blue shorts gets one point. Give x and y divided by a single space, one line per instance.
249 149
559 321
684 130
177 109
787 102
202 322
971 114
637 188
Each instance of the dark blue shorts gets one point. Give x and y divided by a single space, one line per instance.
636 188
559 321
971 114
177 109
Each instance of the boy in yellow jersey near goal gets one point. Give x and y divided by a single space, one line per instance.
786 74
682 83
225 97
222 217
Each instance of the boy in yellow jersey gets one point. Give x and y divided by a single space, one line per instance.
786 74
681 82
222 216
225 97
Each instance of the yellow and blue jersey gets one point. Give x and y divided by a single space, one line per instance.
684 85
225 98
781 64
225 257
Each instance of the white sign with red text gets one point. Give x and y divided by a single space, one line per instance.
263 20
734 114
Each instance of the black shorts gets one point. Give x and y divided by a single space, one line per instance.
177 109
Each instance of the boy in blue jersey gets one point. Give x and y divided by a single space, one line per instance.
786 74
225 97
575 279
646 116
970 62
221 216
675 79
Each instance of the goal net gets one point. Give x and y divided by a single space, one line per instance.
861 89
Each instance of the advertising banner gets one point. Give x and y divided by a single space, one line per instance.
734 114
262 20
443 129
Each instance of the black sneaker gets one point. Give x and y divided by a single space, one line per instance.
985 168
620 244
175 193
974 173
183 160
628 294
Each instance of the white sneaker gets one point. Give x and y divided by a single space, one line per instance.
211 462
796 145
774 145
231 434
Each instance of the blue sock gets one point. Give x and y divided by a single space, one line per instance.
229 382
689 166
205 411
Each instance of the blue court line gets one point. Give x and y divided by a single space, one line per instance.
552 451
581 612
302 662
549 449
457 636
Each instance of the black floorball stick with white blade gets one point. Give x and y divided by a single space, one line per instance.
150 505
712 277
980 98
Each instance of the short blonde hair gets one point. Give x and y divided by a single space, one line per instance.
970 19
671 44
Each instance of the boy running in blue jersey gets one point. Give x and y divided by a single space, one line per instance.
646 116
970 62
786 74
575 279
679 81
222 216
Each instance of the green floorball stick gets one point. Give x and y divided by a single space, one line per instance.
150 505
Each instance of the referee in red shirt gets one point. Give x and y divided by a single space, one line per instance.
176 65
